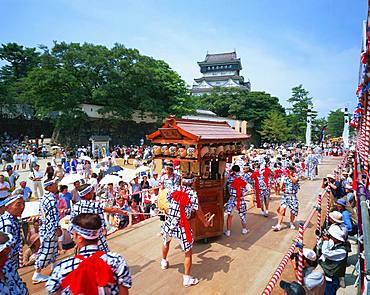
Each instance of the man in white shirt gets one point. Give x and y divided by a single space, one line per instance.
17 160
36 177
24 159
32 160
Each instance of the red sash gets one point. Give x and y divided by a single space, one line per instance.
183 199
91 273
266 174
277 173
255 175
237 184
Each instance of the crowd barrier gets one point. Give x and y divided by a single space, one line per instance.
298 241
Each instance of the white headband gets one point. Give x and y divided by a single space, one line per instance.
88 234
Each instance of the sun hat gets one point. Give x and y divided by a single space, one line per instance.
330 176
336 232
341 202
309 254
336 216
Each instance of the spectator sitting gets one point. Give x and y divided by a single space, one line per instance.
136 212
334 258
313 274
293 288
29 254
346 216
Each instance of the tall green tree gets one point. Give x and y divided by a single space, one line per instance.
119 79
253 106
19 61
301 102
275 128
335 123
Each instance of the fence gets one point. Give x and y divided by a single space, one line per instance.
298 242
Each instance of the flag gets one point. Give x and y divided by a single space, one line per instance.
322 135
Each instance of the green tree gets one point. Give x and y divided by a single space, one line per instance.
275 128
301 102
19 61
252 106
119 79
335 123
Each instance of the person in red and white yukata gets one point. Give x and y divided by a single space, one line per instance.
237 189
183 202
91 271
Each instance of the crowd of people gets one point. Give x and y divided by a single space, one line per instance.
324 266
82 211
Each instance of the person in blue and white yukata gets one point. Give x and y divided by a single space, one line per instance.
49 231
102 272
290 187
87 205
311 165
237 189
183 202
10 283
9 224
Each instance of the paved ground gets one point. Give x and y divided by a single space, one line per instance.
235 265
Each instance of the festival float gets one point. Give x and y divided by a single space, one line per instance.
203 148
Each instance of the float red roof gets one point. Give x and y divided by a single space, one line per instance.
195 131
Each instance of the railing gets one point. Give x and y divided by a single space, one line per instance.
298 241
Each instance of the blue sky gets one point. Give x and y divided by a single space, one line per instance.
281 43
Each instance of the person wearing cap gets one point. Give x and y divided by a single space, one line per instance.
333 259
87 205
9 223
290 186
293 288
103 272
313 274
36 176
49 231
183 203
10 282
346 216
335 187
29 254
155 182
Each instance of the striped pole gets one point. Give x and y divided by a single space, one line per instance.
20 257
272 283
300 254
327 205
318 221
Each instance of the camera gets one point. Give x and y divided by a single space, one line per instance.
322 233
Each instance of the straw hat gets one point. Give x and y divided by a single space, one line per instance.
336 216
64 222
330 176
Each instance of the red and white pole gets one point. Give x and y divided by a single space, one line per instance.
318 210
300 254
327 205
